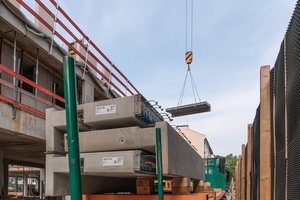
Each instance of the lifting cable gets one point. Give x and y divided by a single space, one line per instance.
188 58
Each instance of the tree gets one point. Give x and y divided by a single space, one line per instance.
230 163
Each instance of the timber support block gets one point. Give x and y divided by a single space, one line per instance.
181 186
145 185
198 186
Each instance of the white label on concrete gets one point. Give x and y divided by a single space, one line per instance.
112 161
102 110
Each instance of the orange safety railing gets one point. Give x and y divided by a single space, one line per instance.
29 82
56 20
221 195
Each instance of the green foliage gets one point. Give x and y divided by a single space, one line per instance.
230 161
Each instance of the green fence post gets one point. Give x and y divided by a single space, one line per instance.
72 127
159 165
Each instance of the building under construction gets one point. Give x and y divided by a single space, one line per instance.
31 81
118 148
116 123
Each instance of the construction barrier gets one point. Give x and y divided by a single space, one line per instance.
269 166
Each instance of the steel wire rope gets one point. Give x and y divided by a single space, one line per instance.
192 19
186 25
194 86
183 88
193 89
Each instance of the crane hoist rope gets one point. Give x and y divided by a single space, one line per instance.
189 55
197 107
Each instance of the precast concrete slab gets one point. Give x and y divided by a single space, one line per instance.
189 109
134 138
179 158
109 171
121 112
126 164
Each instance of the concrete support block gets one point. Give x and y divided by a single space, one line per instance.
145 185
181 186
87 92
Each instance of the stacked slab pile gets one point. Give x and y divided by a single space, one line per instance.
113 136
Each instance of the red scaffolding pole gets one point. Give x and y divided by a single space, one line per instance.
22 78
22 106
81 43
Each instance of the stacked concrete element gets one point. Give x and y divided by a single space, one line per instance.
117 145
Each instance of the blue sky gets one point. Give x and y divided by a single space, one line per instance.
232 39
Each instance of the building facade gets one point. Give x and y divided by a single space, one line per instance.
197 140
